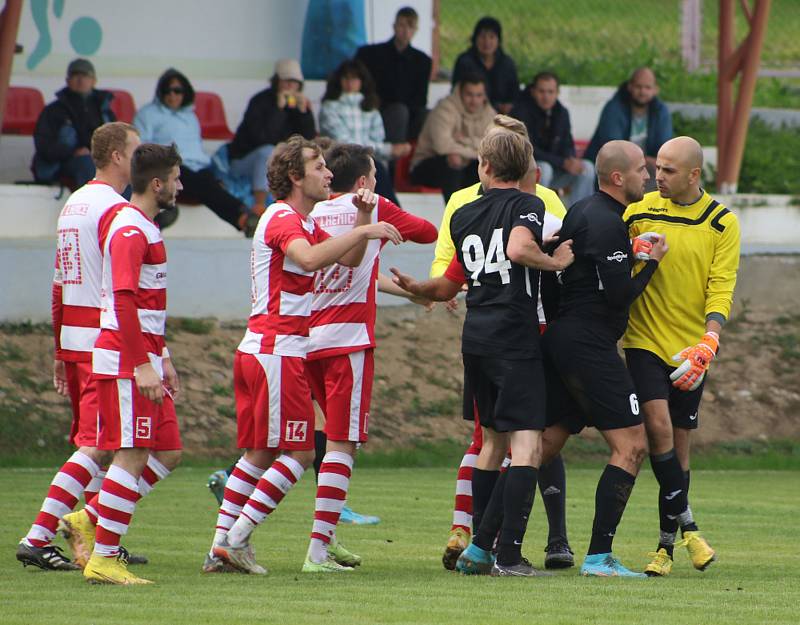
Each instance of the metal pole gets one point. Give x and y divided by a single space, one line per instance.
724 84
747 87
9 25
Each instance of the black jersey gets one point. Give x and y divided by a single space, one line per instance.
502 297
598 286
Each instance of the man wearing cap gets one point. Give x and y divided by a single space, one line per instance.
272 116
64 129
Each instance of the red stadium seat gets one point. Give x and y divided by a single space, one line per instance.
402 179
580 147
23 107
123 105
211 113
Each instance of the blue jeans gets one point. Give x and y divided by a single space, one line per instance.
253 165
79 168
580 186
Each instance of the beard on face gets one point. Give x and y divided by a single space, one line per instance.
165 200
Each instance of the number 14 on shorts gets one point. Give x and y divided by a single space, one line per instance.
296 431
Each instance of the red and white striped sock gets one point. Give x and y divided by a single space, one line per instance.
462 511
240 485
153 473
94 486
91 508
269 491
63 494
332 485
115 506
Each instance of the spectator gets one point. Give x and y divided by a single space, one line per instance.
447 152
170 118
64 129
349 114
272 116
550 131
636 114
486 58
401 74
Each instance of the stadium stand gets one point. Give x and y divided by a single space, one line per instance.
123 105
23 106
402 180
211 113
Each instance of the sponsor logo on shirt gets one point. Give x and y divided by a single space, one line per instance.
130 233
657 209
75 209
532 217
617 256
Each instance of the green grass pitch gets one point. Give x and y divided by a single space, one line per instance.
750 518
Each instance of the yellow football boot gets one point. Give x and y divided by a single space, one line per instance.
660 565
78 530
700 551
101 570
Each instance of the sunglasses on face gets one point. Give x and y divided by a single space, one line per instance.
175 90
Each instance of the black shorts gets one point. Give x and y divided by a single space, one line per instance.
587 381
651 378
509 395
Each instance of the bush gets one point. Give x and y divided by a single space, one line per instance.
771 156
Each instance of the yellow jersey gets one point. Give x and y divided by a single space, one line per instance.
695 278
446 249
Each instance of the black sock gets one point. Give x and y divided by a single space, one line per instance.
687 475
517 503
482 486
553 486
673 503
230 469
320 445
492 516
613 491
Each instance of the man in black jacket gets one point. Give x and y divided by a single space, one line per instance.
272 116
401 74
64 129
550 131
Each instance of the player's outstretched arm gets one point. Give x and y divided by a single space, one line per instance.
387 285
439 289
314 257
523 249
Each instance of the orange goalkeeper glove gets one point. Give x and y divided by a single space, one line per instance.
695 361
643 245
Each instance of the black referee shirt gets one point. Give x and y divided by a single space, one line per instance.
598 287
502 296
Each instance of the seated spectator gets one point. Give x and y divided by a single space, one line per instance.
486 58
550 131
349 114
401 74
272 116
636 114
170 118
447 152
64 129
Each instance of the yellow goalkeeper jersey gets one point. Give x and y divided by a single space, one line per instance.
446 249
695 278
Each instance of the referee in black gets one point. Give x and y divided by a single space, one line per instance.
588 383
498 240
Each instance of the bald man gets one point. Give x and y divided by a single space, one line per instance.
637 114
589 384
686 304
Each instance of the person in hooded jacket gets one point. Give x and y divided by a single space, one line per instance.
170 118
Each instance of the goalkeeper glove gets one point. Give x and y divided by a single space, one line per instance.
643 244
695 361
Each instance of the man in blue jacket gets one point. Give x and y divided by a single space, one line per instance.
64 129
635 114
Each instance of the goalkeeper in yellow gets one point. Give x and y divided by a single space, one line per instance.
674 327
552 477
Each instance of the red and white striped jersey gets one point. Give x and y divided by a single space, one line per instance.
344 309
79 266
134 259
280 291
